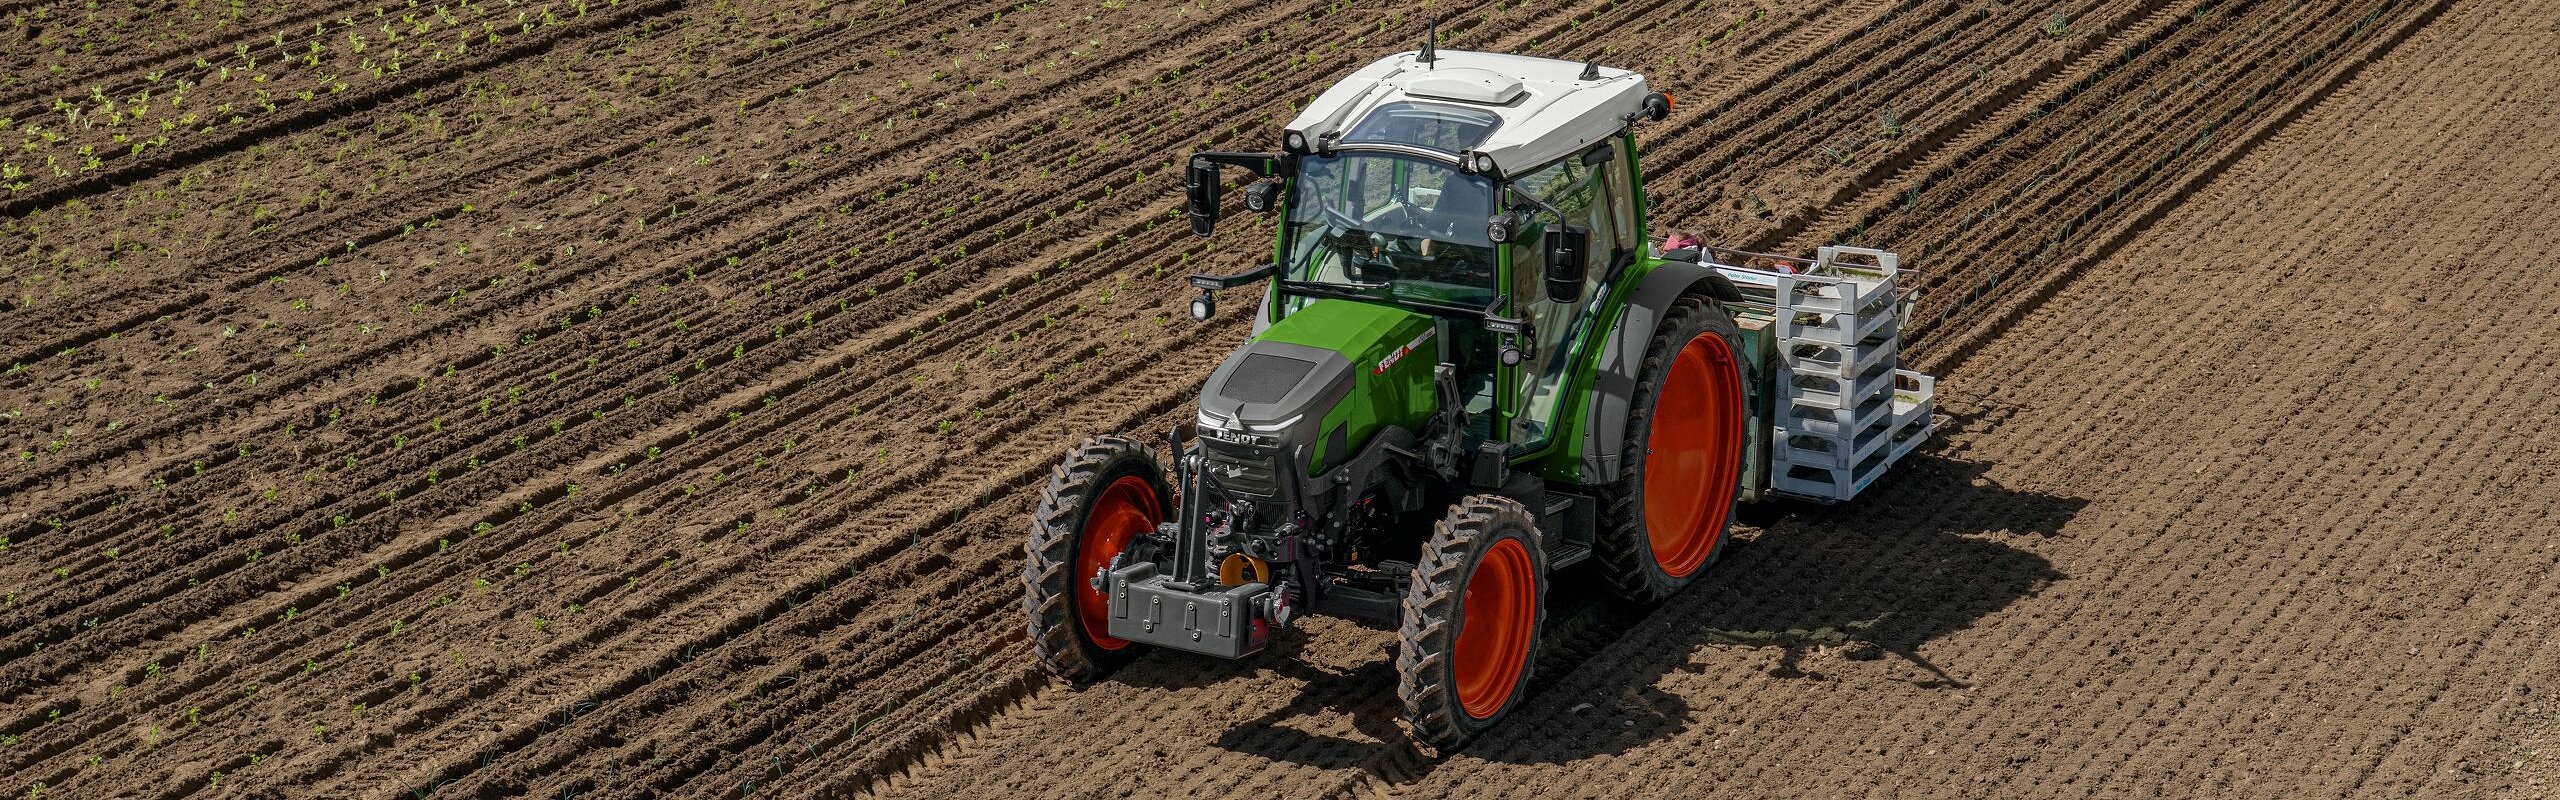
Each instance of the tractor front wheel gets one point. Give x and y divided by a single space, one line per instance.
1472 618
1106 493
1667 515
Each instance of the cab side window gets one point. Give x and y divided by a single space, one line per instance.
1590 189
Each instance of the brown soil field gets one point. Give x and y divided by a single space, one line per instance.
647 398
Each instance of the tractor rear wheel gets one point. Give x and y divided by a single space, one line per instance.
1106 493
1473 615
1669 512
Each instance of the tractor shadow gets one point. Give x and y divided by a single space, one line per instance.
1857 587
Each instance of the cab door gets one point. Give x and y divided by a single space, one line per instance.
1593 189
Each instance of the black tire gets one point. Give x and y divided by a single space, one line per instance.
1428 661
1050 576
1623 546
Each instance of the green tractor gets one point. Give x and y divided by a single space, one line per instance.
1471 368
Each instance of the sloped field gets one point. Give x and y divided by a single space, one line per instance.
632 398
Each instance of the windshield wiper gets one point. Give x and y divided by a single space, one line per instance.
1343 291
1489 314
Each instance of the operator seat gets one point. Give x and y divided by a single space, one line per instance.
1459 211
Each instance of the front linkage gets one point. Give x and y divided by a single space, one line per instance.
1247 542
1253 544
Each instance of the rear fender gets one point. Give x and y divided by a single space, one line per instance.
1613 388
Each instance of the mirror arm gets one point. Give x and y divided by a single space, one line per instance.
1533 201
1262 164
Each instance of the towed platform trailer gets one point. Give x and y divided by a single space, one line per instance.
1835 409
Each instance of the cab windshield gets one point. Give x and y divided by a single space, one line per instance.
1393 227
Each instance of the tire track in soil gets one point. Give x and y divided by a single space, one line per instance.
2012 187
1780 142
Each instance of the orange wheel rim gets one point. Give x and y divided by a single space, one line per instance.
1499 609
1126 509
1693 457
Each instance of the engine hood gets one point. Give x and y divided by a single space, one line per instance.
1325 378
1267 385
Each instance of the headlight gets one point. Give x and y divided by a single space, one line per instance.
1294 142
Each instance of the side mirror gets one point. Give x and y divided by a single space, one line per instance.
1568 260
1200 185
1262 197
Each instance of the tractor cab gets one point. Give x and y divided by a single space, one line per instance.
1432 180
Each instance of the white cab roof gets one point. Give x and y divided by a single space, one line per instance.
1547 110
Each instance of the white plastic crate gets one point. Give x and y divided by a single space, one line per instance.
1813 450
1828 421
1839 294
1842 329
1822 391
1827 484
1914 411
1816 358
1914 396
1847 413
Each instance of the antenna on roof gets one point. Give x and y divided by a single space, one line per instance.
1590 70
1430 38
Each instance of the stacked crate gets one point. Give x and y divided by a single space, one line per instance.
1845 410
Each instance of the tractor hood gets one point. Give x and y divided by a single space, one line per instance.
1269 386
1324 379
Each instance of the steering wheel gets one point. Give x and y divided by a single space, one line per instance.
1339 219
1367 268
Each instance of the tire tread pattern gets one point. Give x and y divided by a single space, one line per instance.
1048 578
1428 635
1621 549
